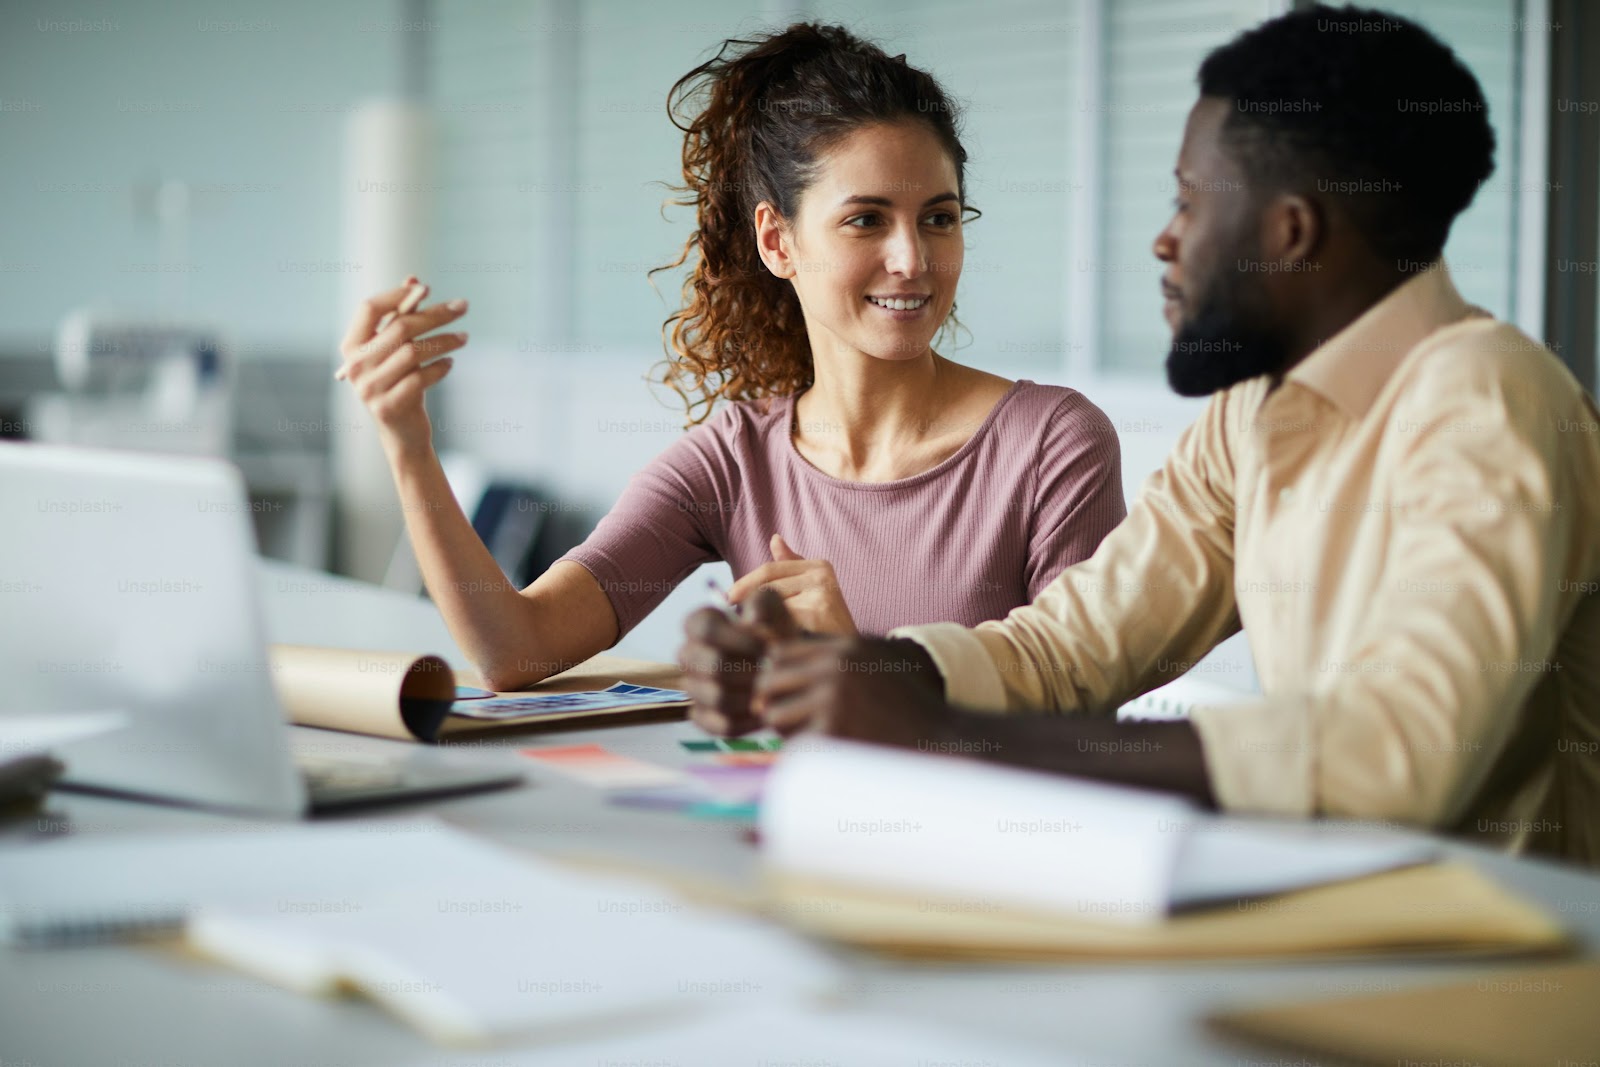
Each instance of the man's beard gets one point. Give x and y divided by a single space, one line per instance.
1231 338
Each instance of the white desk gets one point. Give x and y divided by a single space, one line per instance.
132 1006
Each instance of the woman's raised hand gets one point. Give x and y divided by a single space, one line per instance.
390 369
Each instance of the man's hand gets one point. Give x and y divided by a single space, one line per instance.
809 588
866 689
721 658
744 674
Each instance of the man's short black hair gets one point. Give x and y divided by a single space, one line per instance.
1361 105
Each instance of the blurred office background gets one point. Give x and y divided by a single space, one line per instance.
256 168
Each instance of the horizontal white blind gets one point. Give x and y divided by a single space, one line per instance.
553 129
553 132
1012 68
1486 35
629 56
1153 52
488 98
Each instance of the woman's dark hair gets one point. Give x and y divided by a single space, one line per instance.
756 118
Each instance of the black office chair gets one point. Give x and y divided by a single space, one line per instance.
527 529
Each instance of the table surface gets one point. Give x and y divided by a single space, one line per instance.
138 1005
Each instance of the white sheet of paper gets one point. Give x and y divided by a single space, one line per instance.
946 830
1233 859
989 836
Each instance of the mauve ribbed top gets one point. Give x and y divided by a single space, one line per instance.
1030 493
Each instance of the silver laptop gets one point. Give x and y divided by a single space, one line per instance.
128 582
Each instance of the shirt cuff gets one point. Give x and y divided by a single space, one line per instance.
1259 756
971 679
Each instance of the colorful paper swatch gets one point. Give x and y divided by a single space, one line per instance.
741 785
621 695
598 766
744 759
692 802
734 744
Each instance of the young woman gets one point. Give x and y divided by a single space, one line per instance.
867 479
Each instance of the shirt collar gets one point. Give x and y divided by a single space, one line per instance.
1352 367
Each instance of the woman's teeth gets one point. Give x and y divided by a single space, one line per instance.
899 305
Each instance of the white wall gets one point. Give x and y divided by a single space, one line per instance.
243 101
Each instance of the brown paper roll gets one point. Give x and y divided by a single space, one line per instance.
403 695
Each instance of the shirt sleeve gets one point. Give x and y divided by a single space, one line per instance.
1463 627
1155 596
1078 492
661 528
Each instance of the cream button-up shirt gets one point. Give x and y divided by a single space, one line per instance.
1408 527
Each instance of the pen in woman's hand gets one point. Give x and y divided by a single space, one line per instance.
718 598
408 304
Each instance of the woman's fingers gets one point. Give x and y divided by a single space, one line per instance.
766 574
809 588
363 356
408 357
408 394
416 323
429 376
370 312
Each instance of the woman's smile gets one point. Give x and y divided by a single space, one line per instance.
902 308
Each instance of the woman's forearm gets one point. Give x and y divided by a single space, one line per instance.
493 623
